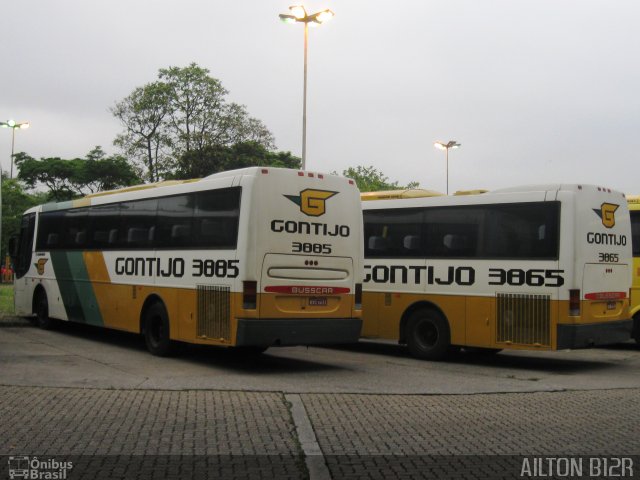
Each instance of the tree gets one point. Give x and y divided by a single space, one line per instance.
67 179
15 200
144 114
183 112
215 159
369 179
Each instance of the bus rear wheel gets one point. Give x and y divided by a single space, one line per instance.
428 335
156 331
42 311
635 333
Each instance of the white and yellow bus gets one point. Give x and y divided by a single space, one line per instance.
542 267
634 212
249 258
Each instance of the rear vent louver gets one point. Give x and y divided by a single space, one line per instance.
214 310
523 319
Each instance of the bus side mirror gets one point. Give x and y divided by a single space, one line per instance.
13 247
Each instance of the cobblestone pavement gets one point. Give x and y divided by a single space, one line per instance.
228 434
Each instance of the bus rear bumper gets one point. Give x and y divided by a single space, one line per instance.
295 331
593 334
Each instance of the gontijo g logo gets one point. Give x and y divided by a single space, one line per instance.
40 265
312 202
607 214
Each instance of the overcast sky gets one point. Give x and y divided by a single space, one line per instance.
535 91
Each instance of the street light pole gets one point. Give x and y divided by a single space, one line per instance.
13 125
446 147
304 99
299 14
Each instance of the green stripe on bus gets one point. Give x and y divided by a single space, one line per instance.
76 291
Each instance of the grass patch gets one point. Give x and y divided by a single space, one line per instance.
6 299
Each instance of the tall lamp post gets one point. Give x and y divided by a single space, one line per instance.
299 14
446 147
13 125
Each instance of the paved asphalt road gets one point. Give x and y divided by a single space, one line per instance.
97 399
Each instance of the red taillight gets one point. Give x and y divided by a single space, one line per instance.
574 302
249 295
358 299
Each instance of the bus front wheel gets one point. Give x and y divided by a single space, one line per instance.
428 335
156 331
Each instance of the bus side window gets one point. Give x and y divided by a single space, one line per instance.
216 218
635 232
377 244
175 217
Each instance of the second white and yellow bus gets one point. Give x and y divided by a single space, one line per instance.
541 267
248 258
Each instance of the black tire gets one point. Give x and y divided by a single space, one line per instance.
428 335
635 333
42 312
156 331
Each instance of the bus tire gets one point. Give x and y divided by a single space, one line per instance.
635 333
156 331
428 334
42 311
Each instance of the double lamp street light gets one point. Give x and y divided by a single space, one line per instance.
13 125
298 14
446 147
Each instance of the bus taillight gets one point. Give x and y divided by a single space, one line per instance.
249 295
574 302
358 296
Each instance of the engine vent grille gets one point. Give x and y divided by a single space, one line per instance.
214 311
523 319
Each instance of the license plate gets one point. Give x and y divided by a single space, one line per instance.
611 305
318 302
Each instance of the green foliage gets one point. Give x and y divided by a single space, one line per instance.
218 158
67 179
14 202
184 114
6 300
369 179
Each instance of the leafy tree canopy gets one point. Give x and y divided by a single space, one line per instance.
15 200
183 114
369 179
213 159
67 179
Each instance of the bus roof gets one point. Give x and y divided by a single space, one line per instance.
394 194
170 187
634 202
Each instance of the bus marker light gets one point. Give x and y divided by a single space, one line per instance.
249 294
574 302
